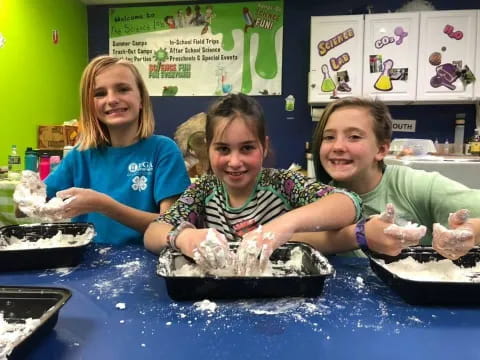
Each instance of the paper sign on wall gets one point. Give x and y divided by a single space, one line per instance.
204 49
404 125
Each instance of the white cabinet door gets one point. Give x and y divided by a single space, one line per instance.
336 44
476 90
390 56
447 44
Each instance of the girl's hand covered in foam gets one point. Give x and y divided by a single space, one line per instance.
30 196
458 240
397 237
213 252
254 251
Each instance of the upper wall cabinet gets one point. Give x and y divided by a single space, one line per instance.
336 45
446 50
390 56
476 91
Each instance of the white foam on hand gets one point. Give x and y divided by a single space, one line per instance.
213 252
30 196
450 236
251 259
452 243
410 233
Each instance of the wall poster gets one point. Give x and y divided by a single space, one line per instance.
204 49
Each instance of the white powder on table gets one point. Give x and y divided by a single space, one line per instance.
442 270
119 280
205 305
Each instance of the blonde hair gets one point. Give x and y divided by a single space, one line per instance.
382 127
94 133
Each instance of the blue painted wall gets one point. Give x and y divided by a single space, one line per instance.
289 130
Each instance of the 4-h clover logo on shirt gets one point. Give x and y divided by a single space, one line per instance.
139 183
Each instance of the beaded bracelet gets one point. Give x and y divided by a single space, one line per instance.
360 234
173 234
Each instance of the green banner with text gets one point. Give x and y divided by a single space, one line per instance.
202 50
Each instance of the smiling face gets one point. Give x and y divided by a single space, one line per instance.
350 151
236 156
117 99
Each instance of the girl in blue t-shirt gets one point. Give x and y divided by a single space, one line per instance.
242 201
119 176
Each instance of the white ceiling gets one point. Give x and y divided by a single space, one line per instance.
116 2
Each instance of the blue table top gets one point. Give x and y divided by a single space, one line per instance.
357 317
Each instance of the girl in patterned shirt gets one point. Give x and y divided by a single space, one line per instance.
240 200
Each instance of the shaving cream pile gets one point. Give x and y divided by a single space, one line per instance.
30 195
442 270
292 267
58 240
12 333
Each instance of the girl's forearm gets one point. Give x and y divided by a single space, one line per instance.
330 242
331 212
129 216
155 237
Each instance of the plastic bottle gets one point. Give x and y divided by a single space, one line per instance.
459 133
31 160
14 162
446 147
67 149
54 161
475 143
308 156
44 166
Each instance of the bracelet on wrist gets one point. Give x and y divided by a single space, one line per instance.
360 234
173 234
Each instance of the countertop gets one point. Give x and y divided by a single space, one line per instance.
464 169
357 317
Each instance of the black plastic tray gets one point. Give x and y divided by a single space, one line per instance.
429 292
315 268
20 303
27 259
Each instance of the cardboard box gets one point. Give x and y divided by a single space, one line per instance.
56 136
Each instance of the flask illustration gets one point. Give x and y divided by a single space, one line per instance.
328 85
226 87
384 82
218 74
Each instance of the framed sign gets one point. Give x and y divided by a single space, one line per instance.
204 49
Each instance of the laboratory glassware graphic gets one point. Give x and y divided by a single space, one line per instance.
384 82
328 85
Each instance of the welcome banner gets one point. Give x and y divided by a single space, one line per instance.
202 50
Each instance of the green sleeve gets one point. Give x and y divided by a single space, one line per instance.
448 196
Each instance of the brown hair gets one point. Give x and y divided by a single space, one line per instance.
93 133
382 127
231 106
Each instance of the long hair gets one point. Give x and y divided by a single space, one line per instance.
93 133
382 127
